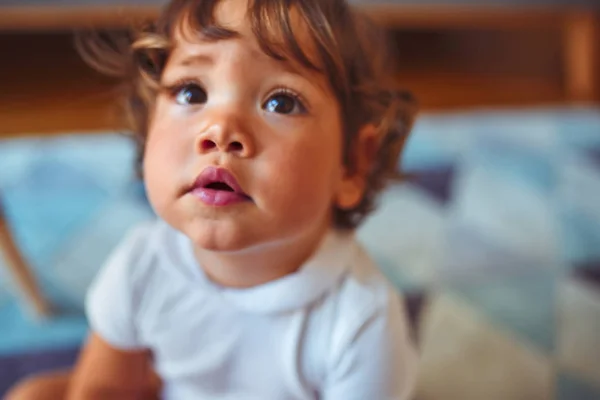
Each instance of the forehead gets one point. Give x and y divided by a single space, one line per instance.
232 14
238 17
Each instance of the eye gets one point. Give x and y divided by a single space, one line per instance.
284 103
190 93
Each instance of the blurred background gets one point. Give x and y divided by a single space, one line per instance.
494 238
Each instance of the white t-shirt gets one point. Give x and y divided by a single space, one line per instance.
334 330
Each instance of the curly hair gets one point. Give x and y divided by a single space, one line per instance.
351 52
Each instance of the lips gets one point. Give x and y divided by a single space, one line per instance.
218 187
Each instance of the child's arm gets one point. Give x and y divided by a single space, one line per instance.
376 359
104 372
114 363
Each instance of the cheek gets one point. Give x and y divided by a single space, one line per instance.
305 173
155 174
168 139
163 159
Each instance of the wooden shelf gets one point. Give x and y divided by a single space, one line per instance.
462 16
46 87
57 18
397 15
449 57
459 91
466 68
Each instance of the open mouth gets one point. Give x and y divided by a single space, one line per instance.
219 186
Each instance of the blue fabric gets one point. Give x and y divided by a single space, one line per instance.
502 214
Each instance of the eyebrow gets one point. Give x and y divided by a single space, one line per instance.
287 65
195 59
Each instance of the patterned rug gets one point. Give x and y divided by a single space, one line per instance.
494 239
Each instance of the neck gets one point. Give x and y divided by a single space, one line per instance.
260 264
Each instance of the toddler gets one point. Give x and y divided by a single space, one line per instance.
266 129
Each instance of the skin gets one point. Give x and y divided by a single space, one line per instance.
214 111
228 113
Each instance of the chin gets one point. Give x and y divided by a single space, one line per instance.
220 236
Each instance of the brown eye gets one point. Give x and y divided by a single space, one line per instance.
190 93
283 103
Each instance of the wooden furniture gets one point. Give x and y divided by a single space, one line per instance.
22 275
479 53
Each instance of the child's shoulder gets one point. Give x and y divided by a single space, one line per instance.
365 287
365 313
146 247
140 275
138 244
135 241
363 294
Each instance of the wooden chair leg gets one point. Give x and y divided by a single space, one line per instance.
21 273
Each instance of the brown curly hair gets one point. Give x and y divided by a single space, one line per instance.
349 49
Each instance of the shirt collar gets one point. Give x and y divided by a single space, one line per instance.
317 276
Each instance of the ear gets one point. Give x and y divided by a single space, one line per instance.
353 184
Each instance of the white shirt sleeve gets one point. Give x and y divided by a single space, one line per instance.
379 362
110 299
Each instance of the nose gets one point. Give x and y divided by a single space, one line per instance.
225 136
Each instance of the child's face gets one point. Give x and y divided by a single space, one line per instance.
274 126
